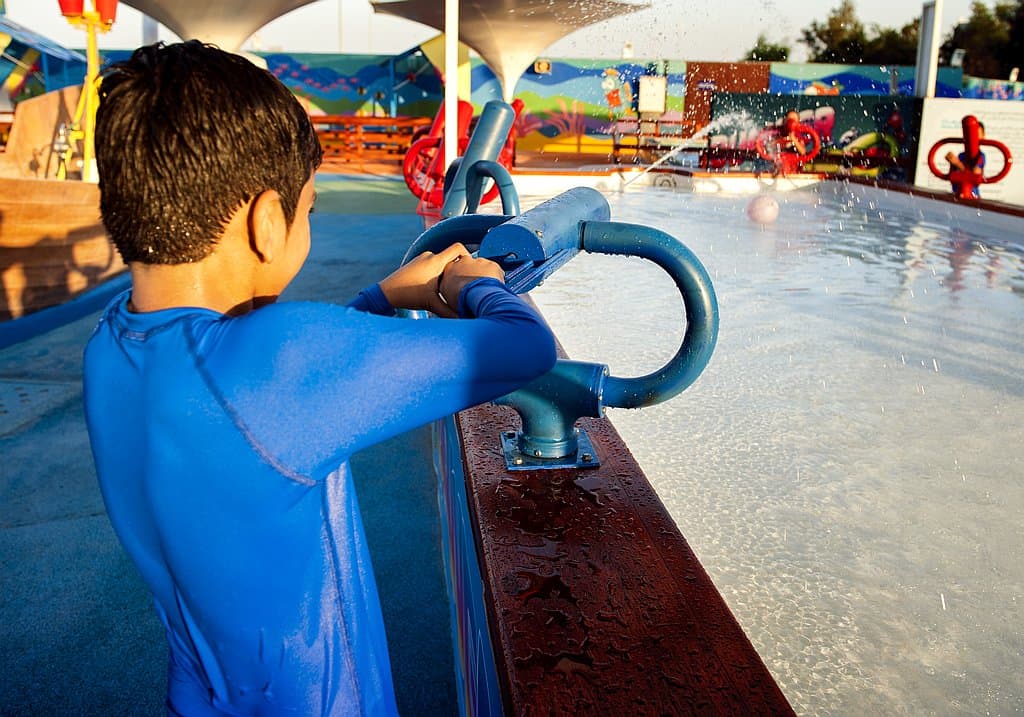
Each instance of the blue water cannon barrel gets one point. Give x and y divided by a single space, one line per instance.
488 138
533 245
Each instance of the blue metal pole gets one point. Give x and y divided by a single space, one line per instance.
488 138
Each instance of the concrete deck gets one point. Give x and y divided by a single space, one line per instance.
78 631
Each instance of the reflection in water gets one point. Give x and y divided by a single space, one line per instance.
848 468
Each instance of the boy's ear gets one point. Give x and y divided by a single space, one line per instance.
268 228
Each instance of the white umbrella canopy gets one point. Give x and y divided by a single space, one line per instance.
510 34
225 23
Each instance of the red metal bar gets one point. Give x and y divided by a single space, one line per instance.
72 8
107 10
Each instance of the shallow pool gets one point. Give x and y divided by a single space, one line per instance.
850 466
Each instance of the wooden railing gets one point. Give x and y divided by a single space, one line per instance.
361 139
646 140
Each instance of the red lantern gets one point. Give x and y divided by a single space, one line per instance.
107 10
72 8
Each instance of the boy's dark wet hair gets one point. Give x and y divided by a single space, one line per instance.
185 134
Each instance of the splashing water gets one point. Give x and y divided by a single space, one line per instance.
730 119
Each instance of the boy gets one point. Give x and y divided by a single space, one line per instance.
963 163
790 138
221 423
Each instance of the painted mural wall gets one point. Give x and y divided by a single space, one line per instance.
869 135
405 85
826 79
344 84
572 105
978 88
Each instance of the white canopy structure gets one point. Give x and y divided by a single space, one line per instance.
510 34
225 23
507 34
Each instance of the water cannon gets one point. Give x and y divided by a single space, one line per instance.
530 248
972 135
534 245
968 179
463 182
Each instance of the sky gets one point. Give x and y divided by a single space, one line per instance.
723 30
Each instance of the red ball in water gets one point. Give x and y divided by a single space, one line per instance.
763 209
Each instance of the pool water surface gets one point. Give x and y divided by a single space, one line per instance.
850 466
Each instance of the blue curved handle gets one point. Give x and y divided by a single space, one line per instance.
550 405
699 301
467 229
475 186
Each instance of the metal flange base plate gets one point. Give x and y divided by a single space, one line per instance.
516 460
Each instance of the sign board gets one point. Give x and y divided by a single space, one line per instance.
1004 121
653 89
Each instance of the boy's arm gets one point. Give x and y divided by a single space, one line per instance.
372 301
430 282
331 381
954 161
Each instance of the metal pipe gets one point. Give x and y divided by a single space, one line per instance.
699 301
485 144
451 80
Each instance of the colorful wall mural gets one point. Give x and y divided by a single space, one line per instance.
977 88
825 79
574 106
407 84
860 134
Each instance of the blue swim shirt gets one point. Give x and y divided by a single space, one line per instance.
222 447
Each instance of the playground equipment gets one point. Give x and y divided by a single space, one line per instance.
534 245
423 167
99 19
866 156
774 145
966 181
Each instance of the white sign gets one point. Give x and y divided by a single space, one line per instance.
1004 122
653 89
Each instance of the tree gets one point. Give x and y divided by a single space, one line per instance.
839 39
764 51
987 39
887 46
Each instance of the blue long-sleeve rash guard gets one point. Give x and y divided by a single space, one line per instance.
222 449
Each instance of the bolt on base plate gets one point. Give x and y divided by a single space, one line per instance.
516 460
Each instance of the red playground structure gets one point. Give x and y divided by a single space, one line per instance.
775 145
966 181
423 166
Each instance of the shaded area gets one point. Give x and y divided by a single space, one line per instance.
79 632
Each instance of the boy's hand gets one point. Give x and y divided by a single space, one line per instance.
461 271
432 282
